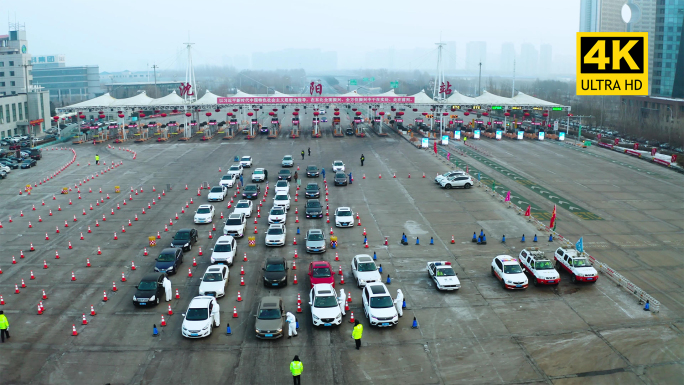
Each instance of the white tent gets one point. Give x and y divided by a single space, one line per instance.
389 93
208 98
460 99
352 93
138 100
422 98
522 99
105 100
487 99
170 99
240 94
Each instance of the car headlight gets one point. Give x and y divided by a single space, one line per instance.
170 268
338 316
184 329
362 281
283 279
373 317
152 298
315 317
279 330
213 260
134 298
507 281
205 328
187 244
257 330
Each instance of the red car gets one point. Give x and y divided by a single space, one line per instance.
321 272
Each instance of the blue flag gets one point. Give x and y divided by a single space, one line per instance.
580 245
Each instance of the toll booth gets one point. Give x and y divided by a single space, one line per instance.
316 127
358 127
274 128
233 128
209 129
143 133
337 127
162 133
253 128
295 127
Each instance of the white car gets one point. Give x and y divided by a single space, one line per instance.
538 268
287 161
443 274
282 187
338 165
322 112
246 161
258 175
378 305
282 200
275 235
507 270
243 206
344 217
214 281
364 270
204 214
449 174
278 214
217 193
224 250
579 267
5 168
235 225
228 180
326 309
464 181
235 169
202 316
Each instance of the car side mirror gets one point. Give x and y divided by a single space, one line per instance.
212 249
263 268
183 315
310 303
136 286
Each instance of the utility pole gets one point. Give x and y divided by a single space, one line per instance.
155 79
479 81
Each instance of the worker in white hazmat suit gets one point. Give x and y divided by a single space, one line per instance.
291 325
399 302
167 288
341 300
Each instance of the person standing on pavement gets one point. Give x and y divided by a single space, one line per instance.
296 368
399 303
357 333
296 176
302 154
4 327
362 159
291 324
167 288
242 181
309 151
97 159
323 173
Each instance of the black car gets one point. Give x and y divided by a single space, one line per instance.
150 290
275 272
3 174
36 154
251 191
169 260
340 179
285 174
314 209
350 131
28 163
184 239
312 190
312 171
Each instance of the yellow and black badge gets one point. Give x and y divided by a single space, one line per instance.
612 63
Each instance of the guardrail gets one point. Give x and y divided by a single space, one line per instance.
606 270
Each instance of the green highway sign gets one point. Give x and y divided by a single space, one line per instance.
352 82
394 84
365 79
372 79
557 109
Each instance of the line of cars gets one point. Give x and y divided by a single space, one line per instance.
454 179
24 158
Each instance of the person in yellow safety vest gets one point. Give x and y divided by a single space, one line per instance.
357 333
97 159
4 327
296 368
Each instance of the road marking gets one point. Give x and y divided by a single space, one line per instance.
629 166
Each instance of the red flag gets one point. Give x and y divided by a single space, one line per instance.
552 225
527 212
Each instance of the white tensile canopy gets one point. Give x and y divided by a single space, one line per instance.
170 99
422 98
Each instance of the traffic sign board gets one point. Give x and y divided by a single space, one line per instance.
352 82
394 84
365 79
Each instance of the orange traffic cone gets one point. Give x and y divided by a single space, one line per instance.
235 314
73 330
351 319
295 279
163 321
239 297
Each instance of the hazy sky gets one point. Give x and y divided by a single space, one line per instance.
126 34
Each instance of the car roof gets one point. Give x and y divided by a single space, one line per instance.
235 165
244 201
276 225
312 184
204 207
183 231
377 288
275 260
270 302
169 250
215 268
259 169
323 289
335 161
364 258
235 215
283 181
344 208
340 173
316 264
315 231
200 301
246 156
507 259
311 165
151 276
284 171
224 239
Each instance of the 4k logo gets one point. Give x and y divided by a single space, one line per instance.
612 63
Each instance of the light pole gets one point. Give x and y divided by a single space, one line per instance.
669 130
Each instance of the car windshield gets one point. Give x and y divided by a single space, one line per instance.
313 204
321 272
284 172
381 302
338 163
223 248
275 231
212 277
340 175
287 157
281 183
580 263
281 197
269 314
316 237
233 222
242 205
329 301
445 272
543 265
204 210
250 188
166 257
312 168
216 189
367 266
258 172
275 267
181 236
512 269
234 168
147 285
245 158
344 213
312 187
277 211
197 314
226 177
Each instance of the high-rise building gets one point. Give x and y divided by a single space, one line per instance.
668 70
24 107
476 53
528 63
507 58
545 59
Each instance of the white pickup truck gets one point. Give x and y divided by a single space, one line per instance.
579 267
443 274
538 267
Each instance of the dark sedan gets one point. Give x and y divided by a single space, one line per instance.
340 179
312 171
251 191
10 163
28 163
314 209
184 239
275 272
285 174
150 290
169 260
312 191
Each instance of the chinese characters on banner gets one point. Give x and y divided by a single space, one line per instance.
316 88
185 90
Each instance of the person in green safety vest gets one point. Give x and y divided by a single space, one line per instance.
4 327
97 159
296 368
357 333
